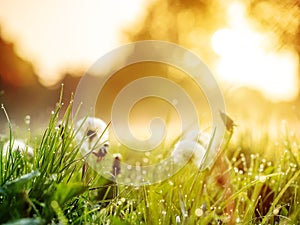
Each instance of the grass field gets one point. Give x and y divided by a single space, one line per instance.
56 187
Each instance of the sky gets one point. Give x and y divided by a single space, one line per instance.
58 35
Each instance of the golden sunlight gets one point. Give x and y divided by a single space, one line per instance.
60 35
245 57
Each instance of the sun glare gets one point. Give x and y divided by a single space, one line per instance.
246 58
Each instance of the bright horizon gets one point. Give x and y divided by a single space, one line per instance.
57 36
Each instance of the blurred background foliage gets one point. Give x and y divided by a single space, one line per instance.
207 27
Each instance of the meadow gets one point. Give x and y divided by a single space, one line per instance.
55 186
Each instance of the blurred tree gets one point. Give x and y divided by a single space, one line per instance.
20 90
13 70
279 17
189 23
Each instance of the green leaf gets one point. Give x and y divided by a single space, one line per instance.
18 184
26 221
65 192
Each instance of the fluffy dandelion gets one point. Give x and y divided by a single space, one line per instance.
18 146
187 150
202 137
93 132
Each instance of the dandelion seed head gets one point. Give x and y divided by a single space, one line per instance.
187 150
90 130
201 137
18 145
91 134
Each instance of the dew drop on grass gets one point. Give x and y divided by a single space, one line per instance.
199 212
238 220
54 177
276 211
27 119
160 156
262 178
145 160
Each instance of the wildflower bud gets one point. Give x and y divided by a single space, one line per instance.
83 172
101 153
116 168
228 122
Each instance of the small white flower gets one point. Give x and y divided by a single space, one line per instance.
90 130
18 146
187 150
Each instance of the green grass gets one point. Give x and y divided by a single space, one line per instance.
56 187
